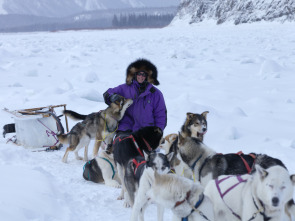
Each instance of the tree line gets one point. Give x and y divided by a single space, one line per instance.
141 20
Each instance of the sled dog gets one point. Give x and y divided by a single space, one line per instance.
102 169
127 147
184 197
259 196
99 126
138 178
206 164
195 125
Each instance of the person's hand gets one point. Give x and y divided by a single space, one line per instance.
114 98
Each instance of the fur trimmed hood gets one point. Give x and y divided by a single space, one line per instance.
142 65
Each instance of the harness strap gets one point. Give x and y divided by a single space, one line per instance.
134 141
195 208
89 162
114 172
261 211
194 164
137 164
147 144
249 169
217 182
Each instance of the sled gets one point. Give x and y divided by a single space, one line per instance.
36 127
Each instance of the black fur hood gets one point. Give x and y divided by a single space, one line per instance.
142 65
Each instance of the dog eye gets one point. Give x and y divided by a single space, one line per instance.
283 187
163 168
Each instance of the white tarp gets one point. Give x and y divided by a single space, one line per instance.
36 131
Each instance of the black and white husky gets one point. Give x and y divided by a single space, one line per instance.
102 169
260 196
139 176
127 147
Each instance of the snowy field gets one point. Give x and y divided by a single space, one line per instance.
243 75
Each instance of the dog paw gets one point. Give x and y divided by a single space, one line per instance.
120 198
113 183
126 204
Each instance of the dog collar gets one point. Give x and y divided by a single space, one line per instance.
181 202
261 211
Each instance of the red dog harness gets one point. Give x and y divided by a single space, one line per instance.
135 143
249 169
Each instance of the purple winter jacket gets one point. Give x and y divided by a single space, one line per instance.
148 108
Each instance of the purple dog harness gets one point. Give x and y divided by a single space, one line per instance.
217 182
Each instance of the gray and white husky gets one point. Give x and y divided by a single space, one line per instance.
98 126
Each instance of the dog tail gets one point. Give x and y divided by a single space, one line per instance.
63 138
74 115
92 172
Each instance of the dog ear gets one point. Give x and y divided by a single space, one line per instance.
262 172
292 178
204 114
189 115
170 156
172 137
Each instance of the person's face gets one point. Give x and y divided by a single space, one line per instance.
140 77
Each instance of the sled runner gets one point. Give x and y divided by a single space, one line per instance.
36 127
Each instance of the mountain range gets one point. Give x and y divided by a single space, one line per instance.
63 8
236 11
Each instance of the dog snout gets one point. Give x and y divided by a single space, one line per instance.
275 201
204 129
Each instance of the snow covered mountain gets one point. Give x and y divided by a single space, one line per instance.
58 8
236 11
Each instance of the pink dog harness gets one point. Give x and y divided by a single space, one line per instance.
217 182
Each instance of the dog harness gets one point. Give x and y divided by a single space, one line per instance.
135 143
195 208
218 182
249 169
240 153
113 169
138 166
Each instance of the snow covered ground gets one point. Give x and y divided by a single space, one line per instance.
243 75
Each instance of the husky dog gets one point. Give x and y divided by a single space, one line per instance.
99 126
138 179
206 164
184 197
195 125
102 169
260 196
130 146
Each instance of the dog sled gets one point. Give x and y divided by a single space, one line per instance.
36 127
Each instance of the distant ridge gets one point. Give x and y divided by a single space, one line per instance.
236 11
